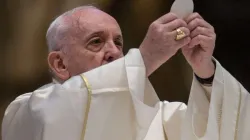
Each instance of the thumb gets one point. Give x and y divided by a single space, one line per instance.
186 47
184 42
186 51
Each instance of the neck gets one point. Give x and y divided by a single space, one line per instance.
56 81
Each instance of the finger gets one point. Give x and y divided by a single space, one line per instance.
183 42
166 18
202 31
192 17
201 40
184 29
198 22
173 25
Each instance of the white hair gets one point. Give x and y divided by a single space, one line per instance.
58 33
59 29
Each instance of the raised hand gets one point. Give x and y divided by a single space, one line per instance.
199 51
160 42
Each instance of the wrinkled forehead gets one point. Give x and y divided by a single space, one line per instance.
93 20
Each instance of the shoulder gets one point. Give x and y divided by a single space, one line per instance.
15 104
12 112
17 111
19 101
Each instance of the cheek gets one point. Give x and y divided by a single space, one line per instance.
85 61
95 59
122 55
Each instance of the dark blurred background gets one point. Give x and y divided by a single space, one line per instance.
23 50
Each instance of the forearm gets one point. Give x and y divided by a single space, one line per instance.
150 61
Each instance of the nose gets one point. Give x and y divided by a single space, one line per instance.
112 52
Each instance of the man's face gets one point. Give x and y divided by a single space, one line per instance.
96 41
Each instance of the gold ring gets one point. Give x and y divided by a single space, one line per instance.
180 34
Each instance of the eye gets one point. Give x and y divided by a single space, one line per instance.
96 41
95 44
118 43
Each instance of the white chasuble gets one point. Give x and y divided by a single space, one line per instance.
224 117
117 102
114 101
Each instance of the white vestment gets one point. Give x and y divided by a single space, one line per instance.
121 104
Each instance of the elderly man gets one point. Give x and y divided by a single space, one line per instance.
98 94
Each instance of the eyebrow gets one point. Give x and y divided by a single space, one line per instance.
94 34
119 37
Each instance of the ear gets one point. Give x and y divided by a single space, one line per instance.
56 64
